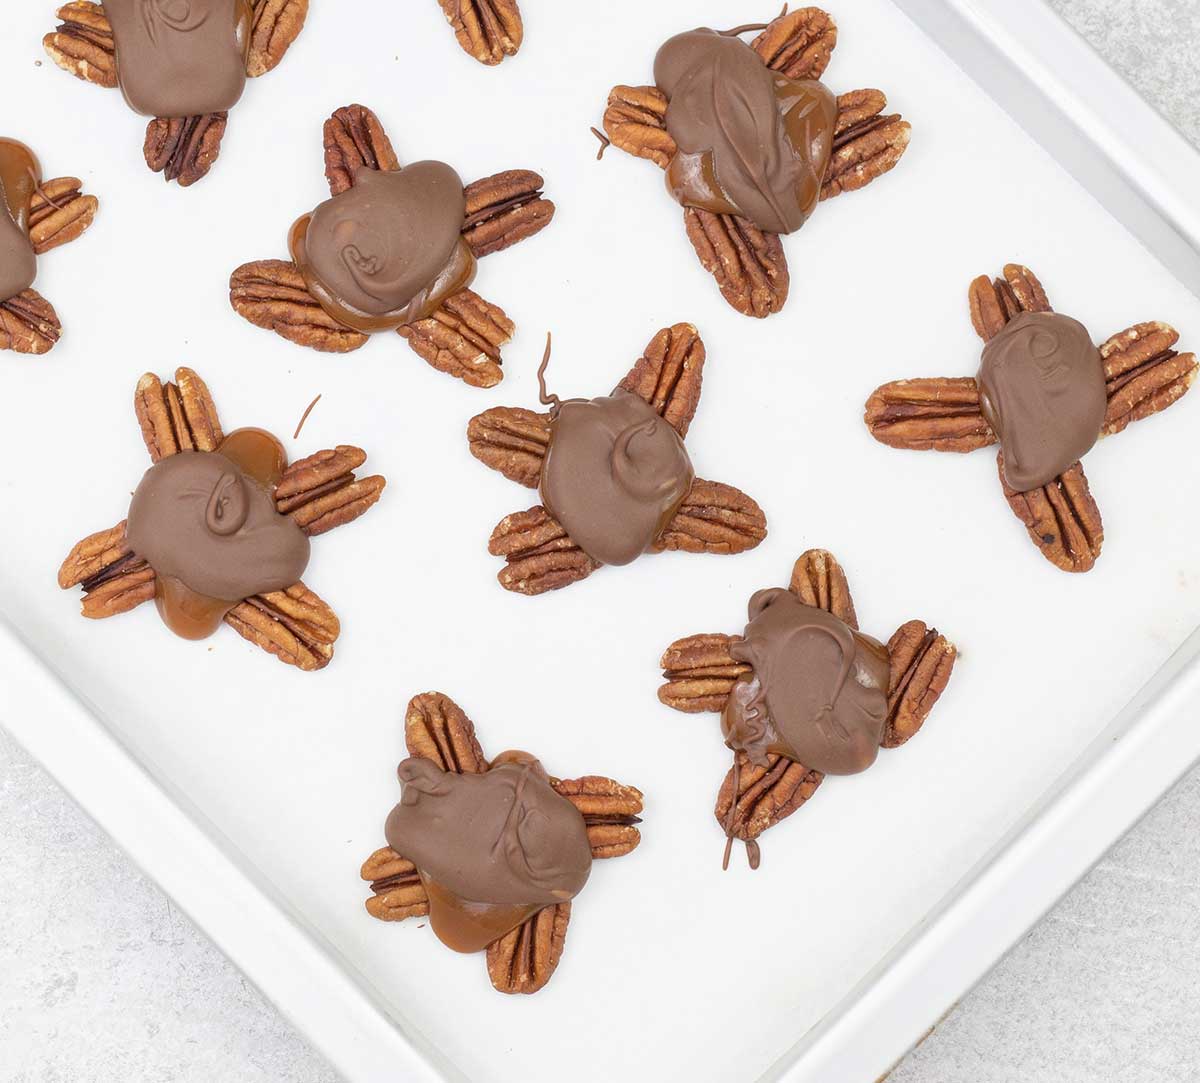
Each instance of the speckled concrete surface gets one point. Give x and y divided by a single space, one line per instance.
102 981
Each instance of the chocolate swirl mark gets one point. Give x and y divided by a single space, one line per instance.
181 58
387 251
822 708
799 701
749 141
754 705
492 849
228 505
1042 391
177 15
614 472
207 524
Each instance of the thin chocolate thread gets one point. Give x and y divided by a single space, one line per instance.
737 785
304 416
46 196
745 27
605 142
544 397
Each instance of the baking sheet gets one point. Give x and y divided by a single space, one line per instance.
670 966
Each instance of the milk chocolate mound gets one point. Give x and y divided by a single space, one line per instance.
750 142
20 176
1042 391
492 849
180 58
211 532
389 250
817 693
614 475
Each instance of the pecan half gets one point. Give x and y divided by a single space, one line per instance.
798 45
938 414
179 416
118 589
524 960
58 213
397 887
504 209
866 145
749 265
276 25
183 149
83 44
610 811
1061 518
294 625
511 440
113 579
921 663
857 108
28 323
438 729
996 301
463 338
1143 373
354 137
540 555
91 556
700 673
819 580
488 30
766 795
714 518
271 294
669 375
320 492
635 120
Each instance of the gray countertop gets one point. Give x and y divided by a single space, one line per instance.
103 981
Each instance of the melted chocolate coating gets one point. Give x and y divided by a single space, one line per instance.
1041 385
210 531
614 475
20 176
749 141
492 849
817 693
389 250
180 58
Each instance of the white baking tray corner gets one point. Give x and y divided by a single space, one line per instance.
251 792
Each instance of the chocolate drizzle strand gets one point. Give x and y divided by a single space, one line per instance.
181 58
207 524
387 251
492 849
20 179
1042 391
748 141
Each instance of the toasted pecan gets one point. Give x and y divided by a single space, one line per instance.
294 625
714 518
820 581
28 324
700 673
669 374
524 960
1061 518
940 413
438 729
921 663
